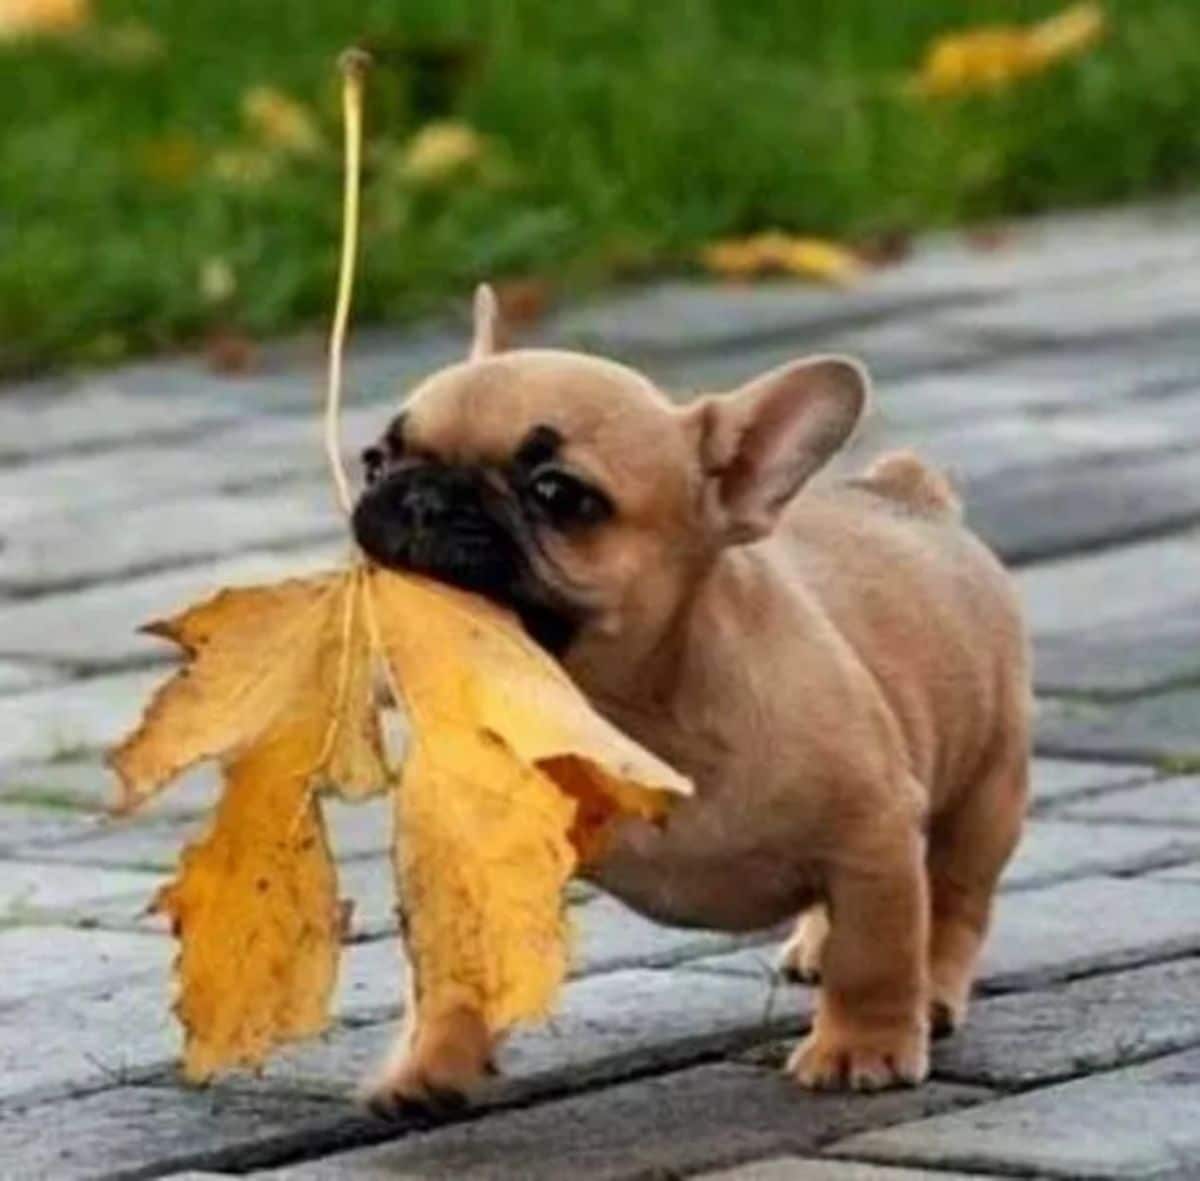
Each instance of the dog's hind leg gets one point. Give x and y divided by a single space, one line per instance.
968 849
800 956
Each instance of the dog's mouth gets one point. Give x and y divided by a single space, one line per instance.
448 524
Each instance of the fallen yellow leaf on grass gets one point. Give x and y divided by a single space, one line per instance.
991 58
31 18
512 779
280 121
442 151
781 254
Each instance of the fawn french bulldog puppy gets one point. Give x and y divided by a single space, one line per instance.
841 669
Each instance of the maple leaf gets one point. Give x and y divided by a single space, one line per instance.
511 781
993 57
776 253
277 686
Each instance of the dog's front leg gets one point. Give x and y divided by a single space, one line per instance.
437 1061
871 1028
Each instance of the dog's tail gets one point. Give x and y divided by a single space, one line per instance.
902 476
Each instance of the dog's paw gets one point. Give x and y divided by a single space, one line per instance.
826 1061
800 957
435 1075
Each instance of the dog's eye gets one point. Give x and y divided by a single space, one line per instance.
566 500
373 460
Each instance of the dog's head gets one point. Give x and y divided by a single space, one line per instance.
570 489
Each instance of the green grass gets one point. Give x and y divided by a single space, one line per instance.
626 133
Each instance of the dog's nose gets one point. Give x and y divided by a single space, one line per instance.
422 504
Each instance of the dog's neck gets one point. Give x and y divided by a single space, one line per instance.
656 681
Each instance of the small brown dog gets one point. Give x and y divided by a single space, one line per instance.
843 673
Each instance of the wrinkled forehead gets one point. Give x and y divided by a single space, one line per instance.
609 418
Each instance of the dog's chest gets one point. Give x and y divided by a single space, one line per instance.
730 857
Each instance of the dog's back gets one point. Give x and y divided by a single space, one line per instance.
927 608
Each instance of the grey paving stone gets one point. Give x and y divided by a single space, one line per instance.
891 349
1123 658
897 349
372 980
1169 801
1080 1027
1056 932
1072 250
1140 581
18 675
359 830
1148 302
130 842
58 552
678 316
1139 1122
32 889
53 723
258 454
193 1175
1189 872
130 1132
605 1027
99 412
1087 925
25 826
1164 728
87 784
1077 398
794 1168
40 962
369 883
102 621
85 1039
1055 780
666 1126
1068 508
986 445
1057 850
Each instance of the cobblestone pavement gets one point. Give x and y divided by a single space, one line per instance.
1058 377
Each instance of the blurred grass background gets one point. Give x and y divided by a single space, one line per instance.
140 209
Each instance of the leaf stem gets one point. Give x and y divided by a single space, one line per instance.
354 64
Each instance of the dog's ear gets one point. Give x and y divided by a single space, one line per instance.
761 443
490 336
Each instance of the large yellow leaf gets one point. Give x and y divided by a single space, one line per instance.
511 781
255 907
277 686
256 655
482 856
993 57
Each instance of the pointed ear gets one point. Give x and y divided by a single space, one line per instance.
490 336
761 443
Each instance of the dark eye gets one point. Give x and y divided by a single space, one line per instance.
373 460
566 500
